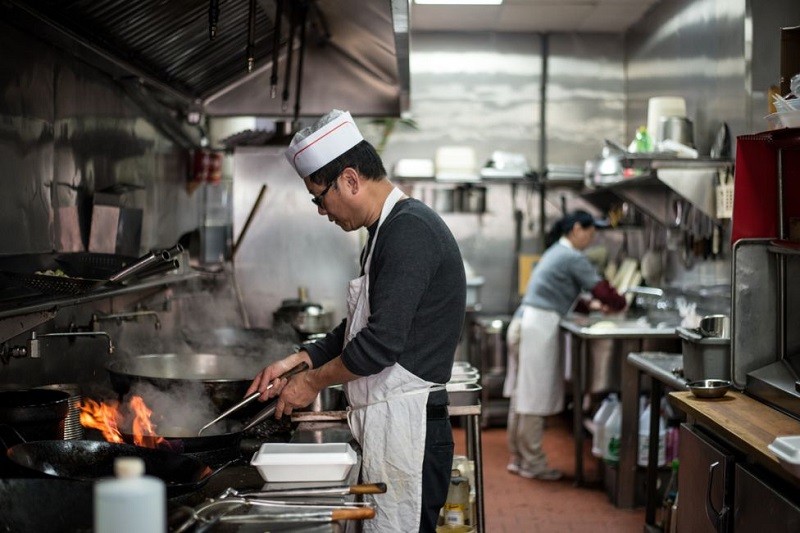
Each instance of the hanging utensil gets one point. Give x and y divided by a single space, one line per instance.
276 44
213 19
251 36
289 53
299 83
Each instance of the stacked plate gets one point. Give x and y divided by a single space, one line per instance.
72 425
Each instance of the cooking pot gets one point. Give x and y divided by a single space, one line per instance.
306 317
471 199
444 200
679 129
717 326
225 378
35 413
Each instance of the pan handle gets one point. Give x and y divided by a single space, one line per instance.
269 410
8 434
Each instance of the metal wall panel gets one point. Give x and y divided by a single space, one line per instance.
288 244
694 49
585 96
482 90
67 132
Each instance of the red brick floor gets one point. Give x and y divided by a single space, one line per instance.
514 504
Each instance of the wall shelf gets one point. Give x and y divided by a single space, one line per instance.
42 303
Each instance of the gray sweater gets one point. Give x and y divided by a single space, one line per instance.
560 276
417 300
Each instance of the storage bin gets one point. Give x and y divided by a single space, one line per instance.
705 357
277 462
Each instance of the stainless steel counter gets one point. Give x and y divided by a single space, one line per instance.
586 328
661 368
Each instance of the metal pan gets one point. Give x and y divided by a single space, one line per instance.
89 460
185 440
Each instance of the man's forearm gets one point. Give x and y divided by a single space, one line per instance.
331 373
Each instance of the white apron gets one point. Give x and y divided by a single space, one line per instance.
540 376
387 416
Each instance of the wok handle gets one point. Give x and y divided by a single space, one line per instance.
269 410
369 488
361 513
8 434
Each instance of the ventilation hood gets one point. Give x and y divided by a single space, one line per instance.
354 53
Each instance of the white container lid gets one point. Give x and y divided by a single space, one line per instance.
787 448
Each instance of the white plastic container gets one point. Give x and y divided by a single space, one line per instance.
130 502
278 462
611 435
787 448
644 438
599 421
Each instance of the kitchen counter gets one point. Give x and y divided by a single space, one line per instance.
585 329
660 367
748 424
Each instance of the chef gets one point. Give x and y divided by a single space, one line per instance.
394 351
535 379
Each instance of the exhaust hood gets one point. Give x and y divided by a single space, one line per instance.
354 53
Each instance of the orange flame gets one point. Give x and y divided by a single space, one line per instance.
108 417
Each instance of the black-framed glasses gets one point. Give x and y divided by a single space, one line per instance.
317 200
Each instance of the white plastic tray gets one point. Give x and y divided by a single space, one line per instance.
278 462
787 449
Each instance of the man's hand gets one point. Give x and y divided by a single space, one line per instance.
271 375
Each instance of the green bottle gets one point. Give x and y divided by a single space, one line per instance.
644 143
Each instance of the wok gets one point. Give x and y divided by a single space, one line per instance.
89 460
185 440
36 413
225 378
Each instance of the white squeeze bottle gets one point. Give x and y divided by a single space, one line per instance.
644 438
130 502
599 422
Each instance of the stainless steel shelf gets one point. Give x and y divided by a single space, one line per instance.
42 303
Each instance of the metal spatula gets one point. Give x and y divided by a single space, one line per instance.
299 368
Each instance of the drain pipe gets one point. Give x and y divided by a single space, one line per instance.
545 50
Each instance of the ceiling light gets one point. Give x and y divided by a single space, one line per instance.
461 2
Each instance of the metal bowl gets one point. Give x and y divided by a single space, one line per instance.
716 326
709 388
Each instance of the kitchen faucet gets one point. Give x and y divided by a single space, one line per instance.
33 342
119 317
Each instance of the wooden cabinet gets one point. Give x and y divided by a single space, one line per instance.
705 483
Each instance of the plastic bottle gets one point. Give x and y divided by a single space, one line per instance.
612 432
130 502
644 438
643 141
599 421
456 507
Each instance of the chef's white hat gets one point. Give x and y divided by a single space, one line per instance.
314 147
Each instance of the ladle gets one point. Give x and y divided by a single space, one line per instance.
297 369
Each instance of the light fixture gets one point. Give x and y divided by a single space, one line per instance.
461 2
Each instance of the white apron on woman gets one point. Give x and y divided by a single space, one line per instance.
388 418
540 375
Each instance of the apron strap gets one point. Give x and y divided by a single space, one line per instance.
432 388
